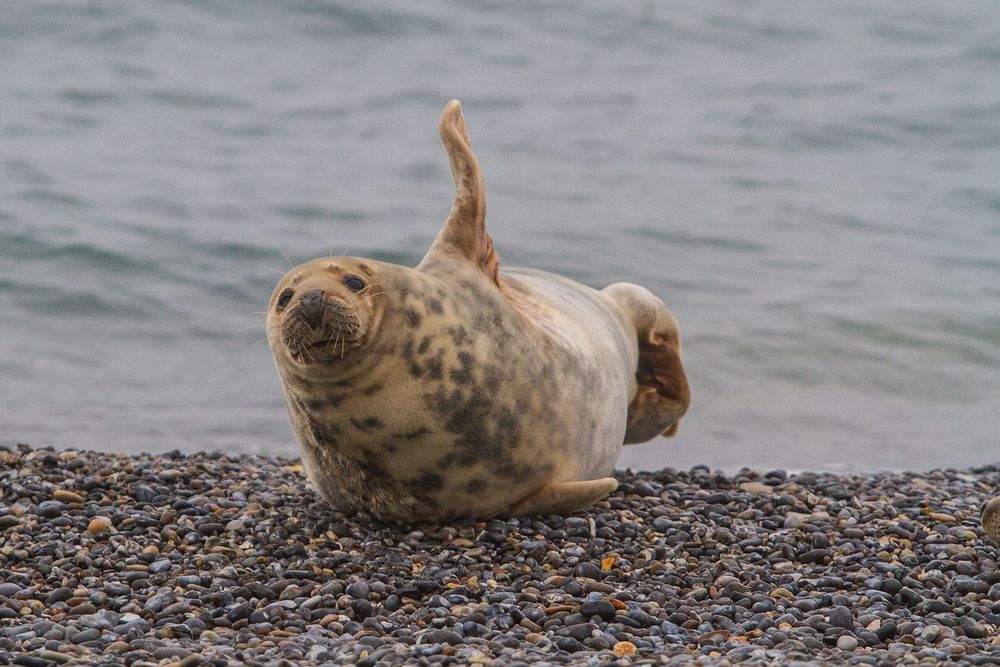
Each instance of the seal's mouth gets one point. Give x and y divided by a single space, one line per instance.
327 333
330 348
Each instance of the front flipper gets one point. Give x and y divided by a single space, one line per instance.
464 232
564 497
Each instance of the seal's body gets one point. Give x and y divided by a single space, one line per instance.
991 518
453 389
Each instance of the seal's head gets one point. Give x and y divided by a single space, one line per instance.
323 312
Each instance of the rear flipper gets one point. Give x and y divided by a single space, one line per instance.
564 497
662 395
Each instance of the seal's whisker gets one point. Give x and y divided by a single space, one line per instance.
250 326
332 346
285 255
361 291
344 254
371 296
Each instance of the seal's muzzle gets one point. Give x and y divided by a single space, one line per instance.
311 307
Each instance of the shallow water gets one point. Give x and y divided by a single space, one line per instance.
813 189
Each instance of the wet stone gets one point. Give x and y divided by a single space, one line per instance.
841 617
51 509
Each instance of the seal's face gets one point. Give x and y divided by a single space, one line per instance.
324 311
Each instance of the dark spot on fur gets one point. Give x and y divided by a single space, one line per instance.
508 426
373 389
481 324
367 424
427 481
435 306
476 485
416 370
492 377
510 470
463 375
412 318
435 366
459 336
473 287
328 401
414 434
322 434
370 466
484 431
425 344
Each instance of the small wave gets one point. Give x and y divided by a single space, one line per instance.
53 197
195 99
24 246
232 251
326 18
313 212
989 54
90 96
766 31
62 302
692 240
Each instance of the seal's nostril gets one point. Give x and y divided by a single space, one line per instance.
310 308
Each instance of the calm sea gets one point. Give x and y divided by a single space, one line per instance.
813 188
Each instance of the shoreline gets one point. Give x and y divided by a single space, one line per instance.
218 559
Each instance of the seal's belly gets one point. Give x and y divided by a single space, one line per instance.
490 404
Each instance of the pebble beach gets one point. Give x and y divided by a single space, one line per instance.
214 559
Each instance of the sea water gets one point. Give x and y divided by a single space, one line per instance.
813 189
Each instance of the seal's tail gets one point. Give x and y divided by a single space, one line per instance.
662 395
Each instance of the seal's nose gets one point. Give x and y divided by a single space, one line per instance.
310 308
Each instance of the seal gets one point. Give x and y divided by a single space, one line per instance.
991 519
454 389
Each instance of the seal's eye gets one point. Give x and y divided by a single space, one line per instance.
283 300
355 283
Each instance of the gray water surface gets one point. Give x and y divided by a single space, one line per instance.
814 189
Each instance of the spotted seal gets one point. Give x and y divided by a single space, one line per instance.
454 389
991 518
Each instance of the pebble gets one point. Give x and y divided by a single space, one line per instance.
847 643
65 496
98 525
841 617
212 559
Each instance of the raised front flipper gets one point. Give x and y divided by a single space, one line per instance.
662 395
564 497
464 232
